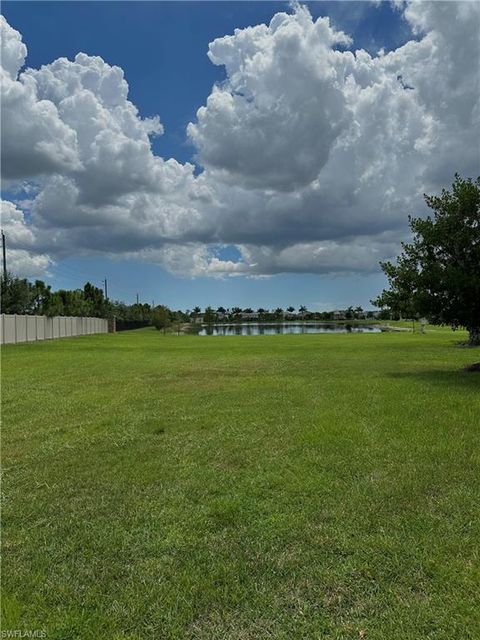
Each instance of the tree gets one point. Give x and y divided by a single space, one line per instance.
54 306
20 296
71 303
42 298
94 296
161 318
209 316
437 275
290 309
17 295
178 320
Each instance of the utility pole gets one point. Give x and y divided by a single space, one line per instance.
106 289
153 304
137 298
4 256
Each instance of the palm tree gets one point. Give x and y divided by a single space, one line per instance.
195 312
209 315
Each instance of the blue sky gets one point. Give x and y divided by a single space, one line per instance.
162 49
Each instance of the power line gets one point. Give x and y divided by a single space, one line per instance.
67 271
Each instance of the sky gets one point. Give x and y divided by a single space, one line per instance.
230 153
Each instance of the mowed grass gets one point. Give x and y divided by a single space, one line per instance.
242 488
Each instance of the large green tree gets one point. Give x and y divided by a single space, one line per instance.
16 295
437 275
95 298
161 318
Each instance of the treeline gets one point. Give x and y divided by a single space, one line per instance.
21 296
236 314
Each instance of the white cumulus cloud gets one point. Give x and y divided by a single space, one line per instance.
283 99
34 138
23 257
311 154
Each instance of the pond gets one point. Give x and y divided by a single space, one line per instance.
270 329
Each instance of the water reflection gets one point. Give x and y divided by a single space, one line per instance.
270 329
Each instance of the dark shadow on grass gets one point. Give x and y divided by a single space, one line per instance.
473 368
442 377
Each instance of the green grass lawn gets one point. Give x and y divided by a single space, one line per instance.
242 488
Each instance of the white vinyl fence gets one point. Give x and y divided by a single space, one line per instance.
16 328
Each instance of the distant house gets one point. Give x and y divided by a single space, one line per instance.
338 314
249 316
